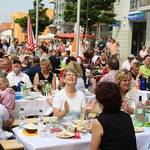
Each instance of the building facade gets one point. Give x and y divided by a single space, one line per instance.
17 31
6 31
58 13
62 26
132 27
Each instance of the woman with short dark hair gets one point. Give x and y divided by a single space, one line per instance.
113 128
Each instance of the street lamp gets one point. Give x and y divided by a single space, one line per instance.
78 27
37 21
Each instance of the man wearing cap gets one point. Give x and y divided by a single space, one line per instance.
16 76
127 64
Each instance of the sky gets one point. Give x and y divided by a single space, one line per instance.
9 6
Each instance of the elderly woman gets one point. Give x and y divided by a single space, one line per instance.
45 75
113 128
123 81
69 101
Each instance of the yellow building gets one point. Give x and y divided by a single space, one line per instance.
17 30
50 14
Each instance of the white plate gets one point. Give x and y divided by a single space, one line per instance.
138 129
65 135
30 126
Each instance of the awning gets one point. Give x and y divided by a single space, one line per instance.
47 36
71 36
136 15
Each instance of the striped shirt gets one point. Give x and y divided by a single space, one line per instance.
7 99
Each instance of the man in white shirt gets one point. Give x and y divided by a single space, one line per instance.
16 76
13 49
127 64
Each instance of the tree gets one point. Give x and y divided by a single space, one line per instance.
92 11
43 18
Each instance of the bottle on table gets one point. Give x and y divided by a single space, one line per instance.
82 114
19 86
139 113
148 83
47 89
143 83
40 122
21 118
24 89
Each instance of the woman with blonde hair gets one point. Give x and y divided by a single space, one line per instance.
77 69
123 80
45 75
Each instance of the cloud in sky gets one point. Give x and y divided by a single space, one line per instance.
9 6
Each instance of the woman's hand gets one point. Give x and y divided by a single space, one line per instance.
127 108
90 106
66 107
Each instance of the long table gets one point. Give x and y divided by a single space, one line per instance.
54 143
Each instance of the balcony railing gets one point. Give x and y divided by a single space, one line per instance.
134 4
143 3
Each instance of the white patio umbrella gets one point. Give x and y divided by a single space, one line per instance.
47 36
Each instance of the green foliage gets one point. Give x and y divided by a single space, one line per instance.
92 10
43 18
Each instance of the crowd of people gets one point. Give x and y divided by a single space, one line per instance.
98 70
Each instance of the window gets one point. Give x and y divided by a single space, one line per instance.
133 4
144 3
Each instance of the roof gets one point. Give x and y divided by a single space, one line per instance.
5 26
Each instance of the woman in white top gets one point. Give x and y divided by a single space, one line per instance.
143 52
69 101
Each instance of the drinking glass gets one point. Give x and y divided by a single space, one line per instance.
53 121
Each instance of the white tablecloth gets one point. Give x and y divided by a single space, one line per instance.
145 95
54 143
32 107
143 139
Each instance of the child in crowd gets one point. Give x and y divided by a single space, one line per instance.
7 95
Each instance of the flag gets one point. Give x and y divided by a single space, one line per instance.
30 45
80 50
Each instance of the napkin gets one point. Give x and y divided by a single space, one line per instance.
77 135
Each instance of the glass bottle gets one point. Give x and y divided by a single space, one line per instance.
139 113
21 118
24 89
40 122
148 83
143 83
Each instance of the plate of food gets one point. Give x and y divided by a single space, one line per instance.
79 121
65 134
138 129
30 127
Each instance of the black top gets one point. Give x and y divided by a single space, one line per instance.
32 71
118 131
49 79
55 61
